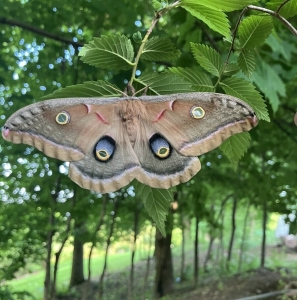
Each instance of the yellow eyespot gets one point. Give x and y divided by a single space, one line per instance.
159 146
104 149
63 118
197 112
163 152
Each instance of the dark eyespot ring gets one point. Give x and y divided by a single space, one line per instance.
63 118
159 146
197 112
104 149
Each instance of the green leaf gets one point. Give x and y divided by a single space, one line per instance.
287 11
162 84
245 91
254 30
231 69
213 18
157 5
246 61
88 89
160 49
200 81
208 58
156 202
137 37
222 5
109 52
235 147
270 83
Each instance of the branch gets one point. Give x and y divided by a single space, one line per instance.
40 32
264 10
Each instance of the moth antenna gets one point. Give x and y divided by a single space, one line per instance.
143 89
123 94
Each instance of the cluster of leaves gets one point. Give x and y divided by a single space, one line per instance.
212 73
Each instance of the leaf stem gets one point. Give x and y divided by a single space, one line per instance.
159 14
264 10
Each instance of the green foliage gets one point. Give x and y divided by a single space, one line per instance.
254 30
244 90
33 187
216 19
162 84
288 10
270 83
235 147
246 62
7 294
98 88
156 202
109 52
200 81
160 49
209 59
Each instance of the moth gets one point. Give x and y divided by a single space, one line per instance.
111 141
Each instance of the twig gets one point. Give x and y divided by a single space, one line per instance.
40 32
264 10
159 15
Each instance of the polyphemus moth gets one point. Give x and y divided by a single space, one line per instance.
295 119
111 141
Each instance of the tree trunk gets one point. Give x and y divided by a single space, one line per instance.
196 253
115 211
47 280
136 221
100 223
163 256
57 256
264 223
182 267
232 233
148 260
77 270
208 254
243 237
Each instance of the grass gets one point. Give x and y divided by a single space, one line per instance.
33 283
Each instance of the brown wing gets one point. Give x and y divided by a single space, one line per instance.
196 123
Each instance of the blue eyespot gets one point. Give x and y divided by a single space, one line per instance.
104 149
160 147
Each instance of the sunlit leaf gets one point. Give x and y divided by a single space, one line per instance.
222 5
254 30
213 18
109 52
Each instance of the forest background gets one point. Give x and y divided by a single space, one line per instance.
44 216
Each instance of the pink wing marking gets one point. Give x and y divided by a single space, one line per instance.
160 115
5 132
101 118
